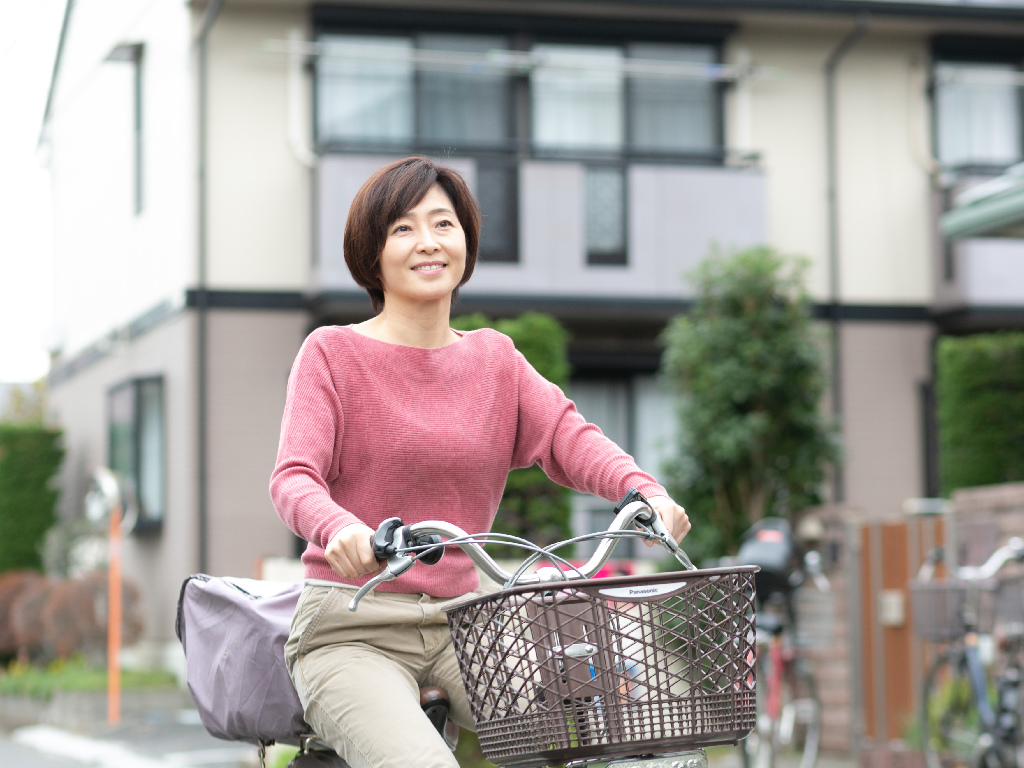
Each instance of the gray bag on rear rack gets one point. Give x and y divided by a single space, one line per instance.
233 632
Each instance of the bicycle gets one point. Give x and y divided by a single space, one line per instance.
788 707
970 718
642 671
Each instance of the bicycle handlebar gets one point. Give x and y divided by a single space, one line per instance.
1012 550
400 546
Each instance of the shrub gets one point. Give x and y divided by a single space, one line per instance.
30 456
980 392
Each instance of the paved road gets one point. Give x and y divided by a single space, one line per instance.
177 740
159 740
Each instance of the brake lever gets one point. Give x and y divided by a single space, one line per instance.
657 526
396 566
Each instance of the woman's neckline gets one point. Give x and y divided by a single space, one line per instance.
352 327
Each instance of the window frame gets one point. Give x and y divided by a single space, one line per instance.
149 521
958 49
523 32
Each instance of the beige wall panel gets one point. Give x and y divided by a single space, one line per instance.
882 115
783 118
883 365
251 353
884 193
156 562
259 192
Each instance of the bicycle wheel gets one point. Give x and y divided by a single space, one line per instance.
950 722
796 732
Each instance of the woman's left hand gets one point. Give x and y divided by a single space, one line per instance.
672 515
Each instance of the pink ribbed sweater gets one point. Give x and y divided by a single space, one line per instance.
373 430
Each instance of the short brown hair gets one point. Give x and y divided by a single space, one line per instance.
390 193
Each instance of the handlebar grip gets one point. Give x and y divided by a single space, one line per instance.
633 495
383 541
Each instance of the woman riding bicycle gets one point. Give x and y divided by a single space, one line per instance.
403 416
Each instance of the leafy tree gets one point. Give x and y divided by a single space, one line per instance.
532 505
980 391
749 375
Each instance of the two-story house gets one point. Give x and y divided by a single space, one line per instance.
204 156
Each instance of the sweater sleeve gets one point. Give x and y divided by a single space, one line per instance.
570 450
311 434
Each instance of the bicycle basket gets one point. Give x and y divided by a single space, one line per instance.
1010 600
943 610
609 667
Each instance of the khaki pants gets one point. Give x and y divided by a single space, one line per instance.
358 675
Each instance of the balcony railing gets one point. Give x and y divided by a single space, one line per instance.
674 213
978 273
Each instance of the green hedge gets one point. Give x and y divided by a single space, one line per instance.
29 459
532 506
980 391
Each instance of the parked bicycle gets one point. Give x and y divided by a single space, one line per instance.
642 671
788 707
972 716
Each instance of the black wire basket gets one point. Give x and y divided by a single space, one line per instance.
606 668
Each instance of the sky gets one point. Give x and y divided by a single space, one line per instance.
28 43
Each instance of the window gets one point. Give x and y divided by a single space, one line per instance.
978 113
401 90
645 97
136 444
134 54
577 97
604 198
638 413
673 112
428 93
502 98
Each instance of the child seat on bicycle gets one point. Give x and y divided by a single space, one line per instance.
771 545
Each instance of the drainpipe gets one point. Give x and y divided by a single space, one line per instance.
201 43
831 143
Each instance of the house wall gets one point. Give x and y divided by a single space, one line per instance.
883 179
156 562
260 222
250 355
110 263
883 366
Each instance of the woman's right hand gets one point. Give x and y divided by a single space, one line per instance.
350 554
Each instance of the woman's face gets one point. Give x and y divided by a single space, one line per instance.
424 256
